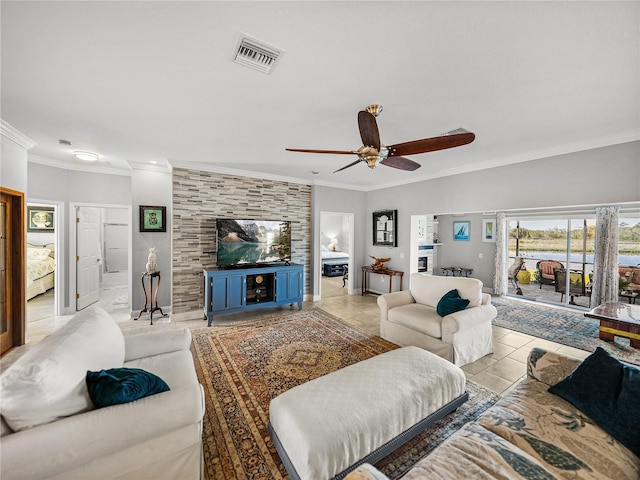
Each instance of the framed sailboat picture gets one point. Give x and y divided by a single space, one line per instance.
461 230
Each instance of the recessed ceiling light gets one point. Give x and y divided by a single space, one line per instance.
153 161
86 156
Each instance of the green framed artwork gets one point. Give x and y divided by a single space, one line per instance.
489 230
40 219
153 219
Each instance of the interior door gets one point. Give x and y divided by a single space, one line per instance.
12 269
5 268
87 256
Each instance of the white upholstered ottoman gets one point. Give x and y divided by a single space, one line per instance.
325 428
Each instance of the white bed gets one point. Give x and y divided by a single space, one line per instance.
41 266
330 257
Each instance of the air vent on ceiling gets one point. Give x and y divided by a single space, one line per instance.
257 55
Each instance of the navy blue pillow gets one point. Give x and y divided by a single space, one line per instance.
450 303
608 392
122 385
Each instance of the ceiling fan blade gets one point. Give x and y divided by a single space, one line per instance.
400 163
448 140
335 152
350 165
368 130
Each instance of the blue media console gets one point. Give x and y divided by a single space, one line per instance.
235 290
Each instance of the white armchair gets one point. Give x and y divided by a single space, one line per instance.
410 317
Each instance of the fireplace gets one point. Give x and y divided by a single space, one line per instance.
423 264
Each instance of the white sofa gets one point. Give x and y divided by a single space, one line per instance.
409 317
533 433
51 429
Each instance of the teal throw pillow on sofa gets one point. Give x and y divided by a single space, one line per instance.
450 303
608 392
122 385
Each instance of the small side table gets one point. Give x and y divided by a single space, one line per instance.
630 296
457 271
389 273
153 297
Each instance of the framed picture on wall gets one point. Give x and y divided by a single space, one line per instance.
489 230
461 230
40 219
385 226
153 219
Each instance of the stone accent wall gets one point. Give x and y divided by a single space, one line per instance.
200 197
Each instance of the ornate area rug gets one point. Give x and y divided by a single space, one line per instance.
559 325
242 366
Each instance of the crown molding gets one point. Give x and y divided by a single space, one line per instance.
15 135
345 186
150 166
236 172
93 168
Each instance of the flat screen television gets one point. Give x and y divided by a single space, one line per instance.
243 243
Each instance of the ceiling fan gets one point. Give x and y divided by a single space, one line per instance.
374 153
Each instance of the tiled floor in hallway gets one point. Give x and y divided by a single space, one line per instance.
498 371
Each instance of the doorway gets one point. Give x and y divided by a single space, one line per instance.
564 243
336 254
45 261
100 239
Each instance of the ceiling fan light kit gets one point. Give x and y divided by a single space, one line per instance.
372 152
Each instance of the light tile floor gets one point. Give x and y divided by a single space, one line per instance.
498 371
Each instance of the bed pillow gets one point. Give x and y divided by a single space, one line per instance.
52 249
608 392
38 253
122 385
451 303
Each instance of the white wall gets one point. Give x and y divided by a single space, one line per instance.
328 199
458 253
74 187
594 177
151 187
599 176
332 228
13 165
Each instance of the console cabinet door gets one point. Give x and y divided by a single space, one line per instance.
236 291
295 284
228 292
289 285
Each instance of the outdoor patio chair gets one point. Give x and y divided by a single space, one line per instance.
577 284
545 271
512 273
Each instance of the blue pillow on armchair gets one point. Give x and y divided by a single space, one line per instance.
608 392
450 303
122 385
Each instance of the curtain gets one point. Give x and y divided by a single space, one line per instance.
502 237
605 268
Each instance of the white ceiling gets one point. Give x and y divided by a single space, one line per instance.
155 81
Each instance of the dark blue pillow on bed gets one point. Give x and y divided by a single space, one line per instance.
122 385
450 303
608 392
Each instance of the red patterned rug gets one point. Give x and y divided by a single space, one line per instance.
243 365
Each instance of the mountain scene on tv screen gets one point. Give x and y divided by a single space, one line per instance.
253 241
